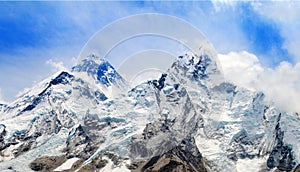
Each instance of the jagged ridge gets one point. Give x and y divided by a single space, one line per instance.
182 121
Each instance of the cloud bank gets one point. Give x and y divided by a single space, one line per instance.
281 84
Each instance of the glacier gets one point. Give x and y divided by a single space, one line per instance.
189 119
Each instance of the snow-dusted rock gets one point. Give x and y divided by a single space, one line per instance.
188 119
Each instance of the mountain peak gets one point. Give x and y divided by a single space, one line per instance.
94 57
196 65
202 68
182 120
89 64
100 70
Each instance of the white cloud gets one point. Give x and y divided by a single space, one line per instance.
57 66
281 84
242 68
80 21
29 66
283 14
223 4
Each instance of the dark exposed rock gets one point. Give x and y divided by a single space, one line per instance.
153 132
2 135
282 155
62 78
89 66
47 163
167 132
21 149
34 103
241 146
200 67
132 166
79 144
166 144
46 124
184 157
105 77
161 82
37 166
78 137
101 163
100 96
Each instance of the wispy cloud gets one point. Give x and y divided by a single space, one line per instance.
57 66
264 35
286 15
34 32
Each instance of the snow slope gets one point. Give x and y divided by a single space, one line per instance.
189 118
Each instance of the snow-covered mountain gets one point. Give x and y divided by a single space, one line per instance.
2 106
99 71
189 119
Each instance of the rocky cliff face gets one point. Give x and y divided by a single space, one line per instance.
189 119
183 157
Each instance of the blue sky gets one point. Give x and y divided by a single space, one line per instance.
37 38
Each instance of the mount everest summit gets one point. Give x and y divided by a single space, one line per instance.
189 119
